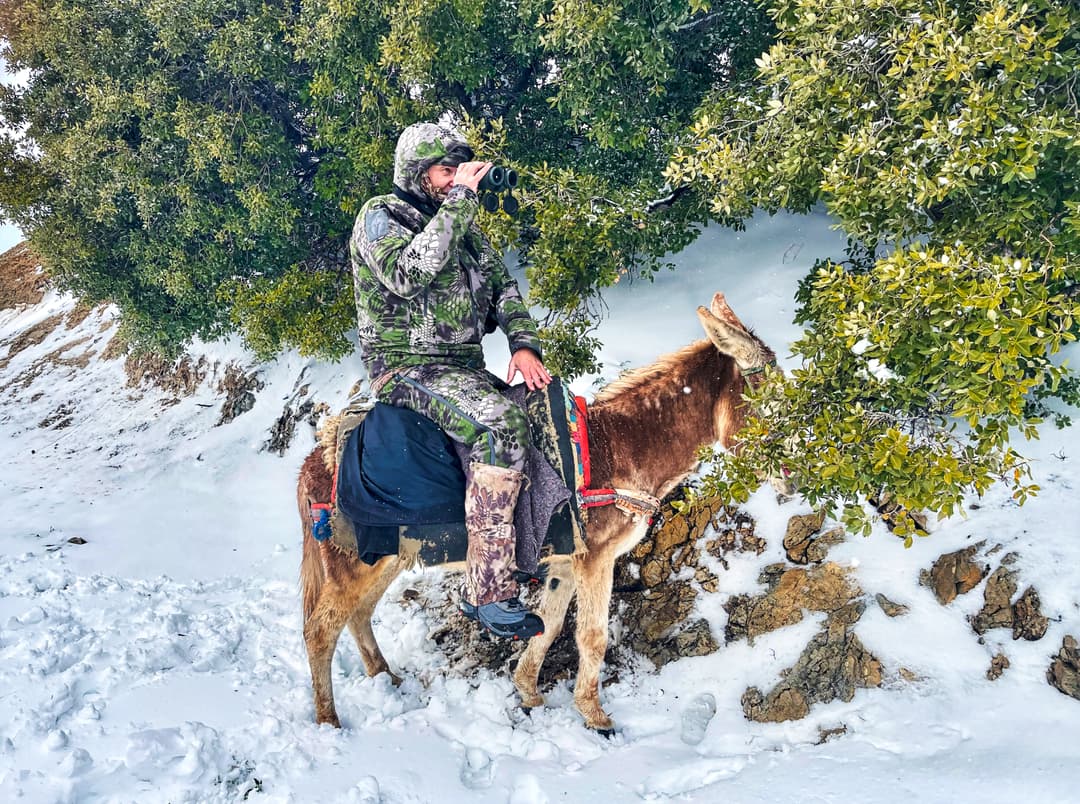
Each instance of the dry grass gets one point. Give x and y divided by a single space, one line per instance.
181 377
78 315
31 337
22 280
54 359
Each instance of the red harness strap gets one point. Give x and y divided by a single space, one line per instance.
583 435
629 502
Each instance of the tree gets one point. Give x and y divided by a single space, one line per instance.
944 138
199 162
162 155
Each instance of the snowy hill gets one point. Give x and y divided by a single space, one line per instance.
150 634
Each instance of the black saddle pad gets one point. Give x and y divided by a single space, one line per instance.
400 475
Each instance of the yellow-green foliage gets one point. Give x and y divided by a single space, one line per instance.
944 138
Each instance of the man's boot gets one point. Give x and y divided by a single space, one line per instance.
491 593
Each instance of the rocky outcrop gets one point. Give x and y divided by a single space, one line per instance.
1028 621
955 574
804 543
301 408
239 386
890 608
1024 616
832 666
997 610
655 609
1064 671
791 590
998 665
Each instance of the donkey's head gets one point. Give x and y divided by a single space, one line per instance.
732 337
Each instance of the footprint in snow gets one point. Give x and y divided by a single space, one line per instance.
527 790
696 717
366 791
478 770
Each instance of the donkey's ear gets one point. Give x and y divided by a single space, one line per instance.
717 330
720 308
735 340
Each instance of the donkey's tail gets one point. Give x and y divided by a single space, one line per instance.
313 485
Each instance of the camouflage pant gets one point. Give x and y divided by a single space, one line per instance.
468 406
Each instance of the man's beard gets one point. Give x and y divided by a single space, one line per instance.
436 195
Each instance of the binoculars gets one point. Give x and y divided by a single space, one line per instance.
499 180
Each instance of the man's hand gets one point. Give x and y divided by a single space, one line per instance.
532 370
470 173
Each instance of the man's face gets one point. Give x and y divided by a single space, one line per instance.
440 178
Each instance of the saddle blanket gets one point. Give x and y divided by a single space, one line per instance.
400 488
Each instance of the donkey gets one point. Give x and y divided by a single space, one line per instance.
644 433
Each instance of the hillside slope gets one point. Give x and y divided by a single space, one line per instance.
150 644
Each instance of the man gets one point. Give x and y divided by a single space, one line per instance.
428 287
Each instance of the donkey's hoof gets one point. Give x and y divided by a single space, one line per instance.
395 679
328 720
607 732
530 702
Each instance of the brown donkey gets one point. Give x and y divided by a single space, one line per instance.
644 433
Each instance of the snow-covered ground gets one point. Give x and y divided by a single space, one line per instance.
162 660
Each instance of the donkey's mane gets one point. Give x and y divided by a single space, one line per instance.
664 368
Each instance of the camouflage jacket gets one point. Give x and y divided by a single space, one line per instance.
428 288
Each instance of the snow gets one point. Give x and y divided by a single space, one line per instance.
162 660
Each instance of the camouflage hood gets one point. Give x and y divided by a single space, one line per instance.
422 145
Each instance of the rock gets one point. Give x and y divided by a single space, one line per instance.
891 609
654 573
998 665
832 666
909 675
824 735
786 704
827 588
893 513
800 531
239 388
656 623
954 574
1028 621
1064 671
298 409
997 611
819 547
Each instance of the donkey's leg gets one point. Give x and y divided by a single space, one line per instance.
321 632
360 623
595 573
347 583
558 593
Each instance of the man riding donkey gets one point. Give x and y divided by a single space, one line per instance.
428 287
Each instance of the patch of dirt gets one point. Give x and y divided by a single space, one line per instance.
22 280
